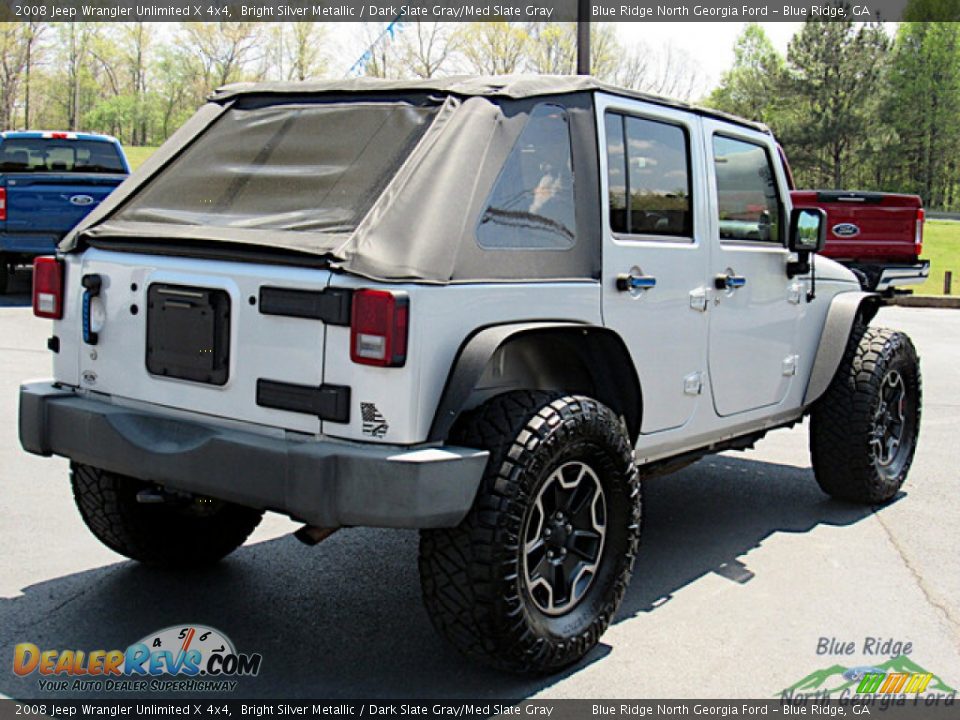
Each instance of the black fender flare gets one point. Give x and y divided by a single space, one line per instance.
600 351
844 309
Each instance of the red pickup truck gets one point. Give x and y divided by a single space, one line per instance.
877 235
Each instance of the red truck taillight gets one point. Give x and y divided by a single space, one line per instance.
3 204
918 233
378 328
48 287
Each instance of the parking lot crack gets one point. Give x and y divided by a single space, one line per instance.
929 595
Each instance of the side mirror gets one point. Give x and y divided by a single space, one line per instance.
808 230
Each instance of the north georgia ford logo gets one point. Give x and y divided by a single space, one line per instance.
81 200
179 650
846 230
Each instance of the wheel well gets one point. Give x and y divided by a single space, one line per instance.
845 309
579 359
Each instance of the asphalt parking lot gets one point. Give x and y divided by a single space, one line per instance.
745 566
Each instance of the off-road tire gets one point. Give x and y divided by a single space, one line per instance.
179 533
843 441
473 576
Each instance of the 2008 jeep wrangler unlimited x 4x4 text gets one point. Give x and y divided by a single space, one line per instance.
480 307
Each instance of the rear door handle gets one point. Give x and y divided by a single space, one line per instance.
729 282
92 285
635 282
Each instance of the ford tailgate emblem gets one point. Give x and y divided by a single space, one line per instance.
846 230
81 200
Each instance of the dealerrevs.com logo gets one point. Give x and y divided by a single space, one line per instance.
185 657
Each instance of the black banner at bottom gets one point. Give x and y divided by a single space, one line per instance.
888 708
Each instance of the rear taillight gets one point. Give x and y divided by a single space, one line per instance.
918 233
48 287
3 204
378 328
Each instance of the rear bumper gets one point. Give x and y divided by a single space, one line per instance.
896 275
28 243
323 483
884 276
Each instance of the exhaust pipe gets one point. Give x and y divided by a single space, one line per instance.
312 535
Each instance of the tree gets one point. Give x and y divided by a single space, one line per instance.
751 88
834 84
14 56
923 105
300 54
425 49
225 49
495 48
76 39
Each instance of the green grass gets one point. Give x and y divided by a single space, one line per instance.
941 246
137 154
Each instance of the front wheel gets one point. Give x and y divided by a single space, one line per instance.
533 576
178 532
863 431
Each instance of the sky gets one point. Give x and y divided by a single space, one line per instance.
710 44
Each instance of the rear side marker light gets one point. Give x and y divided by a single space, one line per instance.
48 287
378 328
3 204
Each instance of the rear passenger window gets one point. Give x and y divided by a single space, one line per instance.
648 177
748 202
531 206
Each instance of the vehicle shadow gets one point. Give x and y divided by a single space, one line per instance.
18 289
344 620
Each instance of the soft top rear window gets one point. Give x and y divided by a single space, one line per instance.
298 167
42 155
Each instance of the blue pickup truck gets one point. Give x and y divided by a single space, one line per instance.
48 182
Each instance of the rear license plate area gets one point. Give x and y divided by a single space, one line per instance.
188 333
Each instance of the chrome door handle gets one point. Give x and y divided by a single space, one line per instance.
729 282
635 282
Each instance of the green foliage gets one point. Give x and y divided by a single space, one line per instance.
853 109
751 88
832 88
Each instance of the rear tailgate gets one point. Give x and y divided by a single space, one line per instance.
866 227
52 203
192 335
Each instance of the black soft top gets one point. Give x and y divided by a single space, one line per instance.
422 226
515 87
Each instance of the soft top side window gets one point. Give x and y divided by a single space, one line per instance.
531 206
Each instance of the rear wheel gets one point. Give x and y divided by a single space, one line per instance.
178 531
863 431
533 576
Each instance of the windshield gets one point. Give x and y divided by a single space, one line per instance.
41 155
300 167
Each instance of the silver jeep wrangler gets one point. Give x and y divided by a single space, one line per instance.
481 307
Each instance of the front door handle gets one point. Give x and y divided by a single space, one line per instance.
635 282
729 281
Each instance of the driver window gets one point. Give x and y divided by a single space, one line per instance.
532 206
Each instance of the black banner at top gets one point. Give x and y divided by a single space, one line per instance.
471 10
